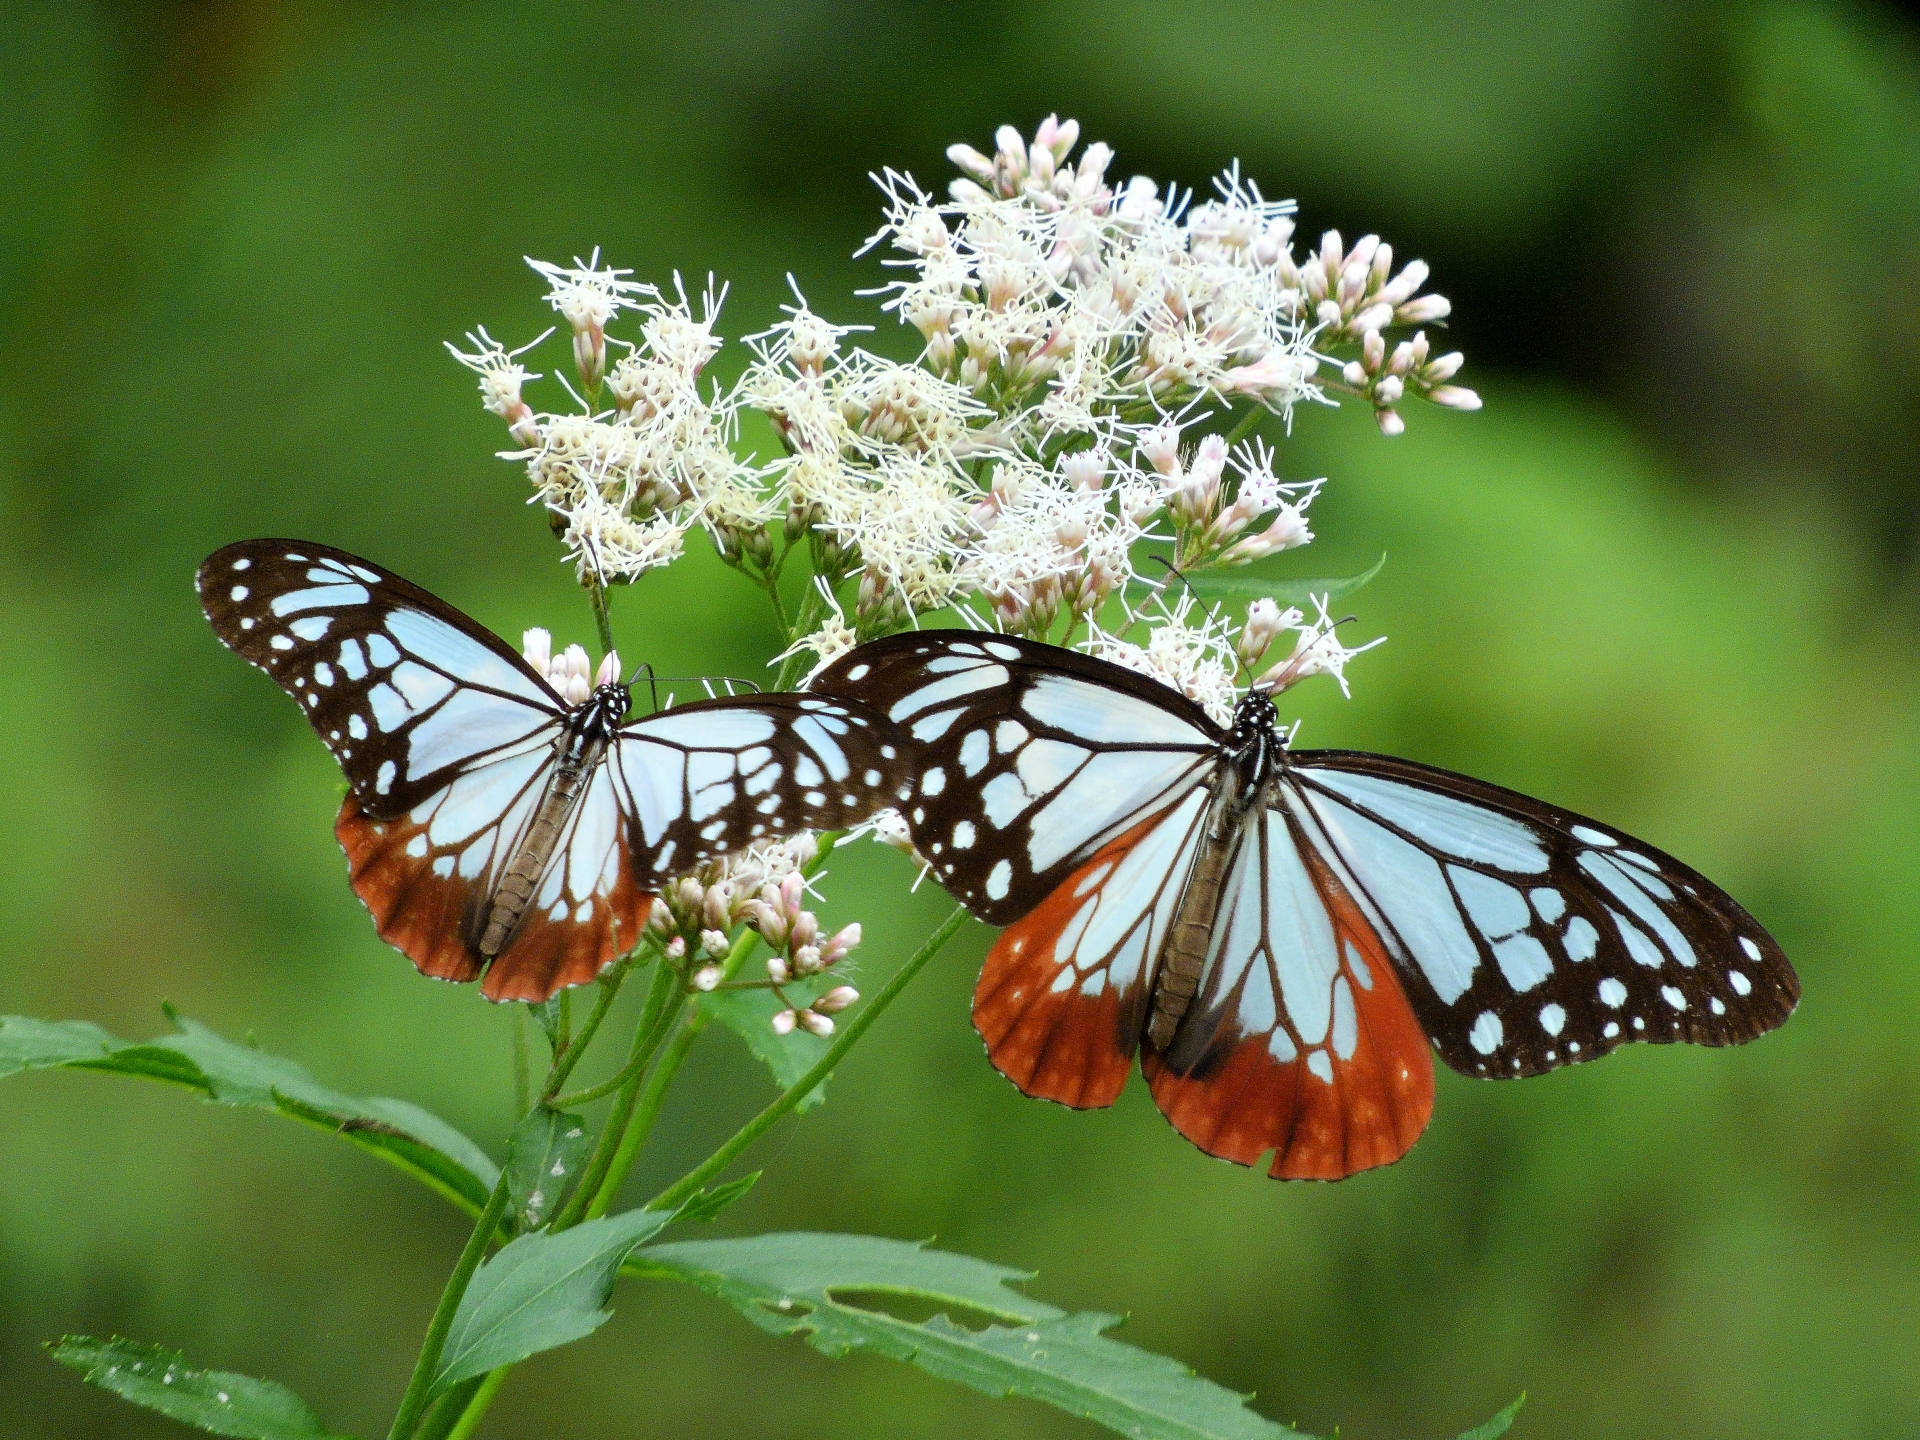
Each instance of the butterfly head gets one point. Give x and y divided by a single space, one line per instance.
602 711
1254 718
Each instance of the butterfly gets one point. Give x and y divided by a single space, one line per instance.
491 825
1284 936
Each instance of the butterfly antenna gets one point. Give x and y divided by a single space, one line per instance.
1174 572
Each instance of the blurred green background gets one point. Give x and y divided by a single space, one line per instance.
1667 577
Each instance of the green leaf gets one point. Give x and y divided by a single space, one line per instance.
749 1014
403 1135
1250 582
210 1400
540 1291
1496 1427
707 1204
547 1012
844 1293
544 1160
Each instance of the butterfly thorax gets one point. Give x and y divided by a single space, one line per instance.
589 728
1251 752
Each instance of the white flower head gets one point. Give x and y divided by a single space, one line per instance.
1317 651
1193 655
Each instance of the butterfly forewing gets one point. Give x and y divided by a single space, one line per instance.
404 689
1028 758
1531 937
712 777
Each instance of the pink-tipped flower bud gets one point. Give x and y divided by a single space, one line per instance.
817 1023
1400 289
537 646
836 999
609 671
1355 374
1388 389
1455 397
777 970
1373 351
964 192
707 977
804 930
715 942
1330 256
783 1023
1160 447
1443 368
1265 621
676 947
843 940
1390 422
1373 319
1424 308
716 906
966 158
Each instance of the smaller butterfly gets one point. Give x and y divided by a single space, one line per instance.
1282 936
491 824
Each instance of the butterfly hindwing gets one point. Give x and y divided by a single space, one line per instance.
428 877
1029 758
1530 937
1299 1041
1062 1000
404 689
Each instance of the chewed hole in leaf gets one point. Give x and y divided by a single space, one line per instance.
916 1309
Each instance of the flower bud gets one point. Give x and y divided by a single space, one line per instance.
777 970
806 960
783 1023
715 942
609 672
804 930
676 947
1443 368
1424 308
1265 621
816 1022
707 977
836 999
1388 389
537 646
1390 422
1455 397
1373 351
967 158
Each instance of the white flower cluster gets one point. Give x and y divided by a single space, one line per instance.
1070 449
623 485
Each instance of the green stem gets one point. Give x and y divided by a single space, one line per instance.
568 1058
663 1003
850 1033
522 1085
477 1407
415 1400
813 609
637 1060
645 1112
1246 425
602 618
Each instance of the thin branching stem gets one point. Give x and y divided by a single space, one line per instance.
663 1004
564 1062
690 1183
414 1402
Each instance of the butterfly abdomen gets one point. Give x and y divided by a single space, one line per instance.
1183 958
579 752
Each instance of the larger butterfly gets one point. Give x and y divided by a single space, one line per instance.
1280 934
492 826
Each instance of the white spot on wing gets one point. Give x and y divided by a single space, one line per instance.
1486 1033
999 880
